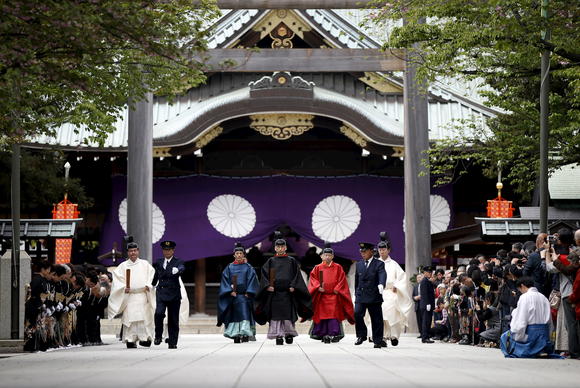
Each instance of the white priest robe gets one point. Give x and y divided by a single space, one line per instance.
533 308
138 306
350 280
397 305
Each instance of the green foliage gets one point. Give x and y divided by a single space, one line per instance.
42 182
78 61
498 43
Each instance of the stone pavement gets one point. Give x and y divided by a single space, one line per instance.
210 360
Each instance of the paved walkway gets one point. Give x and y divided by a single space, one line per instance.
212 361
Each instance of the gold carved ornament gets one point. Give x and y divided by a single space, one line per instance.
207 137
353 135
282 37
282 126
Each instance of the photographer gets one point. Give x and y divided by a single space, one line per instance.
535 267
557 262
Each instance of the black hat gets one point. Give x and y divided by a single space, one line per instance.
385 241
327 249
130 243
279 239
362 246
168 244
427 268
239 247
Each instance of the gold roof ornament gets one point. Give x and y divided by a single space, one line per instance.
207 137
353 135
282 126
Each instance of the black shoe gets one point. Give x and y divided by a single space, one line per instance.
428 341
237 339
279 340
131 345
359 340
419 336
245 338
326 339
370 339
145 343
334 338
172 346
381 344
157 341
289 339
394 341
166 340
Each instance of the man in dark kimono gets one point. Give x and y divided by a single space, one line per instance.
283 295
238 287
426 304
35 307
370 280
330 299
166 278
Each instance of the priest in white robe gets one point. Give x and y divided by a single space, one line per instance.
529 334
397 303
132 295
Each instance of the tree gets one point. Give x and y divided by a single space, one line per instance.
78 61
498 43
42 182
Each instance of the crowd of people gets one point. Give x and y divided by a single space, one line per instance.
64 305
526 301
478 303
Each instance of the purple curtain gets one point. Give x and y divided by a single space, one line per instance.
275 201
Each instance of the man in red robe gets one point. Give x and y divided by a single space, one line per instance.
330 299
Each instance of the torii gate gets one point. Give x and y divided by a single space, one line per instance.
416 138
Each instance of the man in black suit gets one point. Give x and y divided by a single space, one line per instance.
369 281
416 298
426 304
167 272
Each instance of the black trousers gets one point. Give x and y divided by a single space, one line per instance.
418 316
426 318
172 319
376 313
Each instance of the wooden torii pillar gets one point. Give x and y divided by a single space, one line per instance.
417 188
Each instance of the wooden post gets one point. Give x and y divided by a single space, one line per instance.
417 182
140 176
200 286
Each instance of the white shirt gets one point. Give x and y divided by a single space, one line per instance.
533 308
166 262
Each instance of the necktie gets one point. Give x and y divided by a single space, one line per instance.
165 264
366 263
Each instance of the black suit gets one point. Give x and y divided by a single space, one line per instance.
368 297
426 306
168 297
416 302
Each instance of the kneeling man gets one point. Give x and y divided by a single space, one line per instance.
529 334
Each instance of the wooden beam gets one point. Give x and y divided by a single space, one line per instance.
302 60
292 4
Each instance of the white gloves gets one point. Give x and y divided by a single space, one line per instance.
72 306
381 288
428 307
174 270
59 306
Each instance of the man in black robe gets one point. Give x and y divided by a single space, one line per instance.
283 295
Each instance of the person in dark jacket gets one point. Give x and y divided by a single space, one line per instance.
167 273
370 281
426 304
